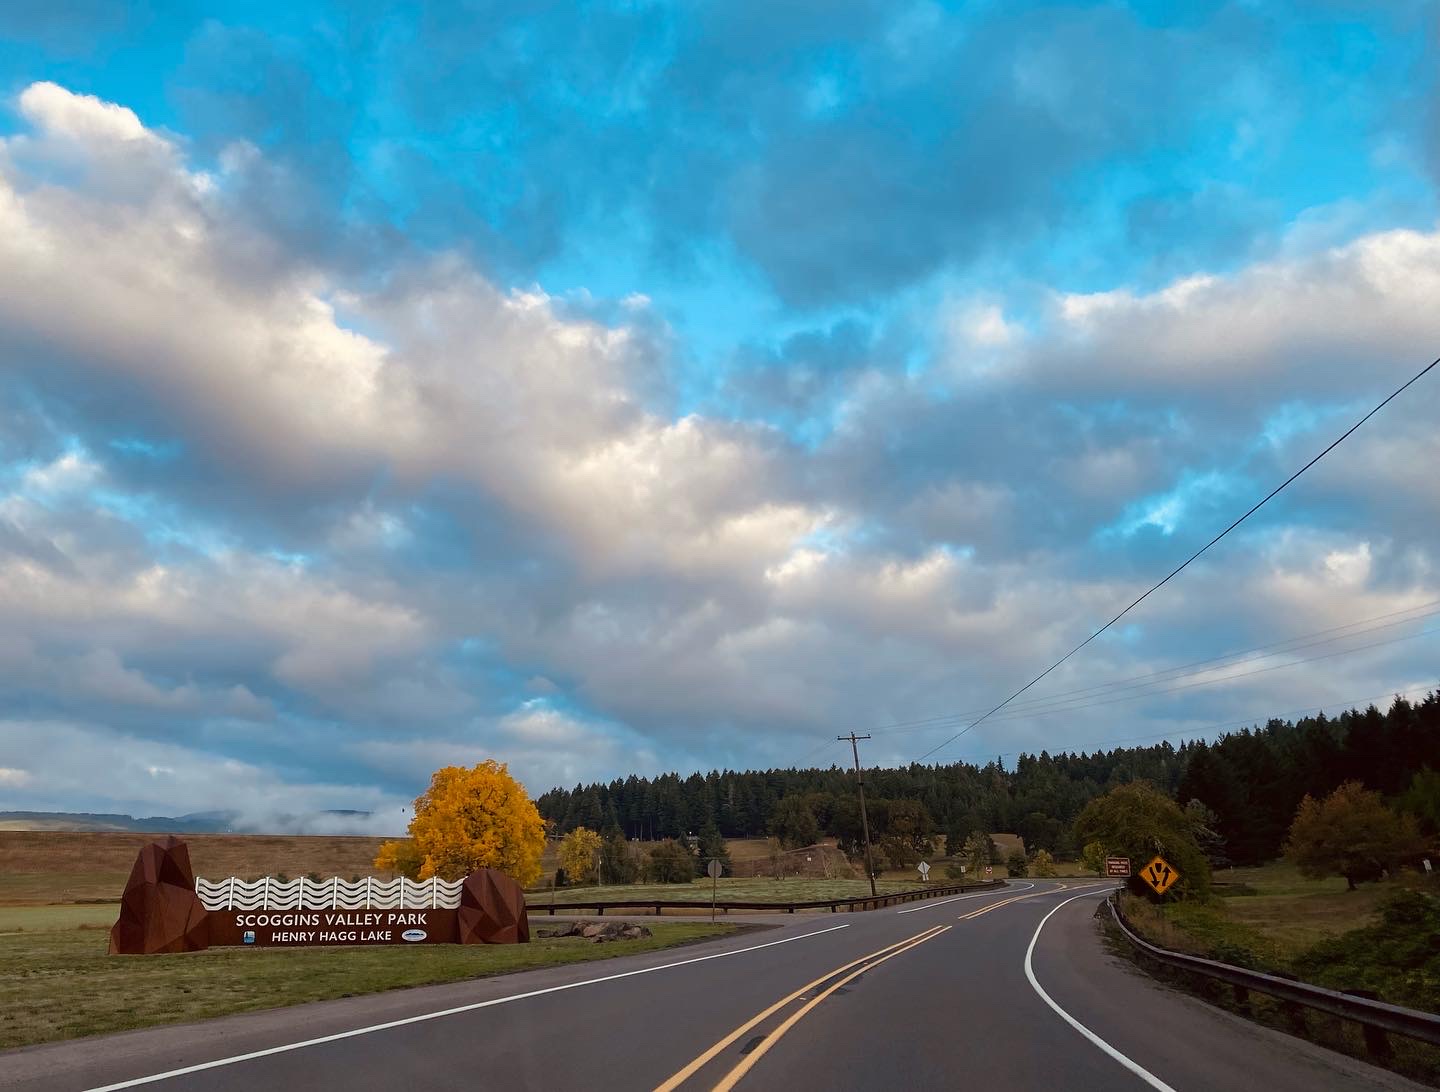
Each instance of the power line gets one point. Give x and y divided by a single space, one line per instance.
1347 703
1087 697
1066 707
1182 566
1294 644
1182 671
943 719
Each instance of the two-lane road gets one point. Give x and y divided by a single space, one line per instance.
1010 989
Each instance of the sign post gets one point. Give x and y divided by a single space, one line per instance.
714 869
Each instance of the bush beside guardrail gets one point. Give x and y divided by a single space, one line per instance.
1377 1018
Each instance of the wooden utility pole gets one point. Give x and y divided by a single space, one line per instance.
864 819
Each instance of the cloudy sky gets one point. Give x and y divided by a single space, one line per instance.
668 386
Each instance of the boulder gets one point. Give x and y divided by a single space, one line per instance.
595 931
159 911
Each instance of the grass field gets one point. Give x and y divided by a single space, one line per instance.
1278 916
739 889
69 866
56 982
1295 913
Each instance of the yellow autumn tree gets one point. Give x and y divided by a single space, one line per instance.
577 854
469 819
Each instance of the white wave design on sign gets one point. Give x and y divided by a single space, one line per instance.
302 893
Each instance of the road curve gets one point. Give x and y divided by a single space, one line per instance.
929 996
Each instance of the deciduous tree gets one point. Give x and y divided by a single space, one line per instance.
1042 864
578 854
979 848
1138 821
1350 833
469 819
616 859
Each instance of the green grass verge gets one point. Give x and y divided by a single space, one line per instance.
56 982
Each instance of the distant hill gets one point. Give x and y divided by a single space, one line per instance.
204 822
198 823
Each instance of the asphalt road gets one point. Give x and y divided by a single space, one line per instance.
973 991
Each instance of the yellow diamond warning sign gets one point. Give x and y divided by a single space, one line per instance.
1159 875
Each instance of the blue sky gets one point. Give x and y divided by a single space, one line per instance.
649 386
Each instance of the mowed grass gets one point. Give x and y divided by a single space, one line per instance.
56 982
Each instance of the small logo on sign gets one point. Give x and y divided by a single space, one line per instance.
249 936
413 935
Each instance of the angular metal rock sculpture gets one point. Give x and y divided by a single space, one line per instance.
160 911
492 909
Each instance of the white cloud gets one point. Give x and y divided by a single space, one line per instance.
391 499
83 118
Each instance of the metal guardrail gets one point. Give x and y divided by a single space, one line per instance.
866 902
1376 1017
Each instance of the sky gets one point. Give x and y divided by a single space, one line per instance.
636 387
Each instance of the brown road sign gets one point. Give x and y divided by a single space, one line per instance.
1118 867
1159 875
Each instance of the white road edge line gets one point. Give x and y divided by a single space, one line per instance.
1134 1067
218 1062
960 898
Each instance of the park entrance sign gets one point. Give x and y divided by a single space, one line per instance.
297 928
165 909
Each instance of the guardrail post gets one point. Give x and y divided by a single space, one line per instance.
1376 1041
1294 1012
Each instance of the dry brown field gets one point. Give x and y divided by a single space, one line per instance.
43 866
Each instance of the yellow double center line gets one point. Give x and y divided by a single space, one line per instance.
864 963
1019 898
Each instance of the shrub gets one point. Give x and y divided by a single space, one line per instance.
671 862
1016 864
1042 864
1397 958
